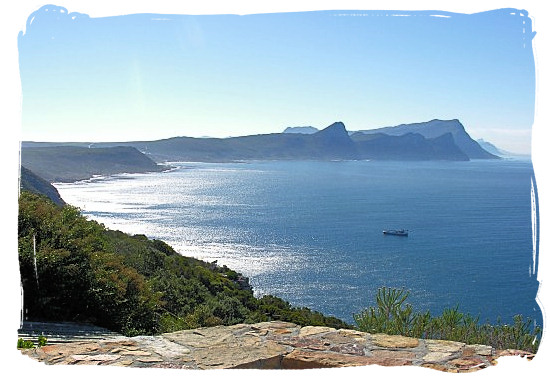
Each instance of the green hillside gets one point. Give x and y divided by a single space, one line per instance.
75 269
72 163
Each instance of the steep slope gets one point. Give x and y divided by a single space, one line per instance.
31 182
72 163
436 128
74 269
332 142
410 146
489 147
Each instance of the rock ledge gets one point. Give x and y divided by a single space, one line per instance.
270 345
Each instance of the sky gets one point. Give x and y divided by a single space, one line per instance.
151 76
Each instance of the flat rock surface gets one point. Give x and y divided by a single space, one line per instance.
267 345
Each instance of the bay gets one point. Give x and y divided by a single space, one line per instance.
311 232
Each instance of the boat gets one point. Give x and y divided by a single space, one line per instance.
396 232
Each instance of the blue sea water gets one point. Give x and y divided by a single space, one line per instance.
311 232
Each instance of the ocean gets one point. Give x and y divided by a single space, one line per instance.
310 232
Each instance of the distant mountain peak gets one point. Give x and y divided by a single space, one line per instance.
450 124
337 128
491 148
301 130
435 128
336 142
431 140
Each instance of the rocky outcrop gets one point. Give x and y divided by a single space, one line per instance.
29 181
301 130
270 345
437 128
433 140
72 163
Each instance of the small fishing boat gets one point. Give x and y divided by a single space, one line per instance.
396 232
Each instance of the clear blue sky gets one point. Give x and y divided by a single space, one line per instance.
138 77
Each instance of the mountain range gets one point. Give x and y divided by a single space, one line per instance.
301 129
430 130
491 148
437 128
432 140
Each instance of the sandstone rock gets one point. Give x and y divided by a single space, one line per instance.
50 349
263 363
393 354
271 345
510 352
470 350
162 345
245 352
349 348
98 357
437 357
345 337
385 340
437 367
351 333
437 345
150 359
55 359
301 359
200 338
312 330
124 363
469 364
278 328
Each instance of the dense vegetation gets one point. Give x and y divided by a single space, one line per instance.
76 269
393 316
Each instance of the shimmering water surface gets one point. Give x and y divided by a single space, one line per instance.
311 232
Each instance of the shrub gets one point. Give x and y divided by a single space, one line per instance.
24 344
42 341
393 316
130 284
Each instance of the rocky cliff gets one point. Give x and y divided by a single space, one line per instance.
269 345
437 128
29 181
433 140
72 163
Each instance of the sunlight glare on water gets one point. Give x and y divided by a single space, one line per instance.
311 232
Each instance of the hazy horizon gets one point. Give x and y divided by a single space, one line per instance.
57 140
156 76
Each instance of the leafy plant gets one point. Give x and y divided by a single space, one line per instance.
42 341
74 269
393 316
24 344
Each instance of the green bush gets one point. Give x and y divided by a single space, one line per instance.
130 284
24 344
42 341
393 316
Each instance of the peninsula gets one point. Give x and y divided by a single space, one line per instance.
445 140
